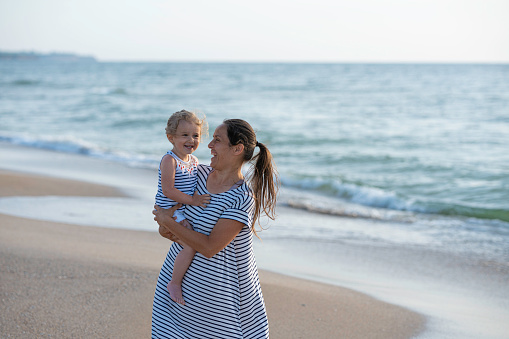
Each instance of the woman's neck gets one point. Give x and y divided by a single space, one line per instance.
220 181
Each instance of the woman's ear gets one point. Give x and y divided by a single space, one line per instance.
238 149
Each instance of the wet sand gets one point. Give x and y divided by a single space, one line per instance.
64 280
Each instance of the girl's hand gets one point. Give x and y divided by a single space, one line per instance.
200 200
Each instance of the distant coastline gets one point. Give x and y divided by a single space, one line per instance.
45 56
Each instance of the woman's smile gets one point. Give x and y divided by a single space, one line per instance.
219 144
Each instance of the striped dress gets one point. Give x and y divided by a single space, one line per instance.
185 182
222 294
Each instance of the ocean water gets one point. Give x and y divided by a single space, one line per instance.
420 149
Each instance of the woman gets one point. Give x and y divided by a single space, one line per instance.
221 287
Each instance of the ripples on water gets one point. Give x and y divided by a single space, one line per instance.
411 138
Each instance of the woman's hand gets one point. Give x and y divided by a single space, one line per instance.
163 218
221 235
186 224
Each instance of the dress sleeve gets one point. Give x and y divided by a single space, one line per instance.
241 210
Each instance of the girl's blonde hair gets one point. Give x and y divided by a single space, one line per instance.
177 117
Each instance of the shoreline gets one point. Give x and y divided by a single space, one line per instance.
56 273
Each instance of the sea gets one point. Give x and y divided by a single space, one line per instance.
416 153
425 145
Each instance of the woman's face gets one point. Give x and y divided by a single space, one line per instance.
220 148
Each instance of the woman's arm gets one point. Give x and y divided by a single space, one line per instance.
221 235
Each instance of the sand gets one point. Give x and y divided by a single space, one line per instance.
67 281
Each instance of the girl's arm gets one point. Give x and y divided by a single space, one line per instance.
168 169
221 235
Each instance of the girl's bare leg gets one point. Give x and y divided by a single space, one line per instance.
182 262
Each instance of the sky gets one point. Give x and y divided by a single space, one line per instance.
261 30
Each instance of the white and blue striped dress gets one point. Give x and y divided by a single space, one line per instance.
223 295
185 181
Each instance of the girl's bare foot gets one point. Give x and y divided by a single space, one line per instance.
175 291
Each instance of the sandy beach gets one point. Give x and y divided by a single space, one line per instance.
64 280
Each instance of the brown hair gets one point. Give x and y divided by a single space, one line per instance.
263 175
177 117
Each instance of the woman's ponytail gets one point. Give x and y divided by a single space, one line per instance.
263 174
264 183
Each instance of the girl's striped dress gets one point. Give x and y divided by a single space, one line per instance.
185 182
222 294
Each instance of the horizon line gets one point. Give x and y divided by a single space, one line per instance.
255 61
495 62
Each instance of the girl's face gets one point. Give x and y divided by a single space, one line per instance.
220 148
185 140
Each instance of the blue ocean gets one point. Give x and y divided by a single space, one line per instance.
422 147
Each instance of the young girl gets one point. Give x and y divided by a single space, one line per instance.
177 182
